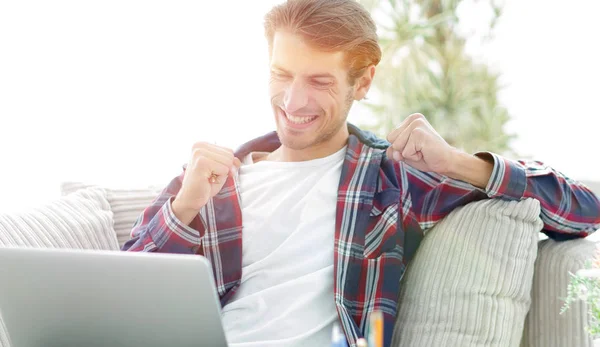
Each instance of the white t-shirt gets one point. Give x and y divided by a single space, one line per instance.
286 293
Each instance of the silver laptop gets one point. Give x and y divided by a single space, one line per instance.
69 298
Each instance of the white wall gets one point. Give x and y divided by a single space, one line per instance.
116 92
549 54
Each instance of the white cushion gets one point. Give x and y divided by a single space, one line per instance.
469 284
79 221
126 205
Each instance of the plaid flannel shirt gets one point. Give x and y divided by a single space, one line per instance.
383 209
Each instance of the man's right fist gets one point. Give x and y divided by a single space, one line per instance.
204 177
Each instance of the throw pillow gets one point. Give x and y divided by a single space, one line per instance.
80 221
469 284
126 205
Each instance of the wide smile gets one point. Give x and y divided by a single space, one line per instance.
297 122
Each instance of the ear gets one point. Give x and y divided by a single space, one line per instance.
363 83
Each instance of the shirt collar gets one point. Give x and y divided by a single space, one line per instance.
270 142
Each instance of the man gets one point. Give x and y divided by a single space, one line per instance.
316 222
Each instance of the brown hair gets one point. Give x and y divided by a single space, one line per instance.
330 26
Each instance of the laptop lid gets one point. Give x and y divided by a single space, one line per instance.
68 298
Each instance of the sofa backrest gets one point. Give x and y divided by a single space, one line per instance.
127 204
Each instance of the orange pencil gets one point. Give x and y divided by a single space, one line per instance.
376 329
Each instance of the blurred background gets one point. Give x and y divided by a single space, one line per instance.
116 92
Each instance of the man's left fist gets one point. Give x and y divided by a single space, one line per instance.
416 143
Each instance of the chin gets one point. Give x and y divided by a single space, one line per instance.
296 142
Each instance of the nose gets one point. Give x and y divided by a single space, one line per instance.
296 97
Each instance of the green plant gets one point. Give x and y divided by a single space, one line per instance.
425 68
585 286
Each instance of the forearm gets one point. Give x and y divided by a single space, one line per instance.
185 216
471 169
161 228
164 232
568 207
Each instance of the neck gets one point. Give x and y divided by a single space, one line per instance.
320 150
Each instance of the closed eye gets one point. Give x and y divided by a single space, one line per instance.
321 83
279 76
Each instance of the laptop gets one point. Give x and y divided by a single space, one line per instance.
76 298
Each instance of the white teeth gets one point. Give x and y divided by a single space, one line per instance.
299 120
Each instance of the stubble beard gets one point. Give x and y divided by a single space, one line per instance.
324 135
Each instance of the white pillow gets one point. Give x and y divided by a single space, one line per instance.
126 205
79 221
469 284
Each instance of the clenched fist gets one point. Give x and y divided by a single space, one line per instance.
416 143
204 177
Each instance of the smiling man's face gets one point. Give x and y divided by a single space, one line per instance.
310 95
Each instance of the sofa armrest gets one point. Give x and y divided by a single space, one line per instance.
545 326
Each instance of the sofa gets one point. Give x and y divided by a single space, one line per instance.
483 276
